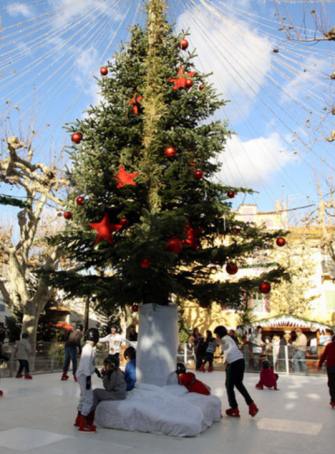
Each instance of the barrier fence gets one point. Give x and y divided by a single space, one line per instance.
49 358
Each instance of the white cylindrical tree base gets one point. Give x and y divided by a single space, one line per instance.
157 345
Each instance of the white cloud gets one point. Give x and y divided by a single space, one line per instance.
239 57
17 9
247 163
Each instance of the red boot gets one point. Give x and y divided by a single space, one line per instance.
202 368
64 376
210 369
233 412
85 426
1 393
253 410
77 421
28 377
75 377
19 376
332 405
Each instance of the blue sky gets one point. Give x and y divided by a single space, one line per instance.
279 101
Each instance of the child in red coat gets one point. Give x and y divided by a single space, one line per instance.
190 382
267 377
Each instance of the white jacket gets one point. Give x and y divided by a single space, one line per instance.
115 342
87 361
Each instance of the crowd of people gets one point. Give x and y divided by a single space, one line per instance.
116 383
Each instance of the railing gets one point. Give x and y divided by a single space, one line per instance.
285 359
49 358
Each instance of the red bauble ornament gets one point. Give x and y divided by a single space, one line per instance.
170 152
145 263
231 268
280 242
80 200
265 287
124 222
198 174
231 194
188 83
183 44
180 80
68 215
202 86
135 308
104 71
174 245
77 137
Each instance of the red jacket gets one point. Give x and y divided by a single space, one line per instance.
268 379
192 384
328 354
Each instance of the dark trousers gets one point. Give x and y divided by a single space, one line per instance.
199 362
209 358
331 382
23 365
234 378
70 355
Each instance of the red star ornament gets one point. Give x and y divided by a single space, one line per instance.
105 229
180 82
134 102
192 235
125 178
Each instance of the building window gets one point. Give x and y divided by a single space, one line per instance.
248 214
269 223
259 303
2 307
330 300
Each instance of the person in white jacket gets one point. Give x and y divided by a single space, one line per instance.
115 342
84 373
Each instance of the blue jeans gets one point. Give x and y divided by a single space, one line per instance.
70 355
23 365
299 358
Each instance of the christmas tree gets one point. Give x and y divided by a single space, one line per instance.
144 211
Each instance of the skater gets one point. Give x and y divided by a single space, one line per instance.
257 346
329 355
299 358
267 377
188 379
72 343
200 354
234 372
23 351
114 384
84 373
210 350
130 372
115 341
3 357
133 335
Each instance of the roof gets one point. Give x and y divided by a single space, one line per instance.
289 320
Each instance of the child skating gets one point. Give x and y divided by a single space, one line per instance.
234 373
267 377
84 376
23 351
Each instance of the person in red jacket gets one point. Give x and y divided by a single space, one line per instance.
190 382
329 355
267 377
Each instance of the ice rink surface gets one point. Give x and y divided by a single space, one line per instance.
37 416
